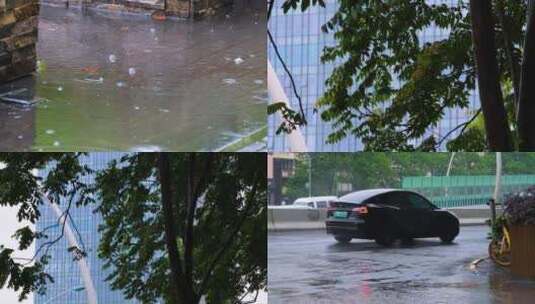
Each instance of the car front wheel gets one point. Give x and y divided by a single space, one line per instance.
342 239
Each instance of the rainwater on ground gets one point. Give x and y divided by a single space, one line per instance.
116 81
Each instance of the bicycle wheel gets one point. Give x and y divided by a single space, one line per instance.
500 258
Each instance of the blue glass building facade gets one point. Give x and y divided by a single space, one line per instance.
62 267
300 41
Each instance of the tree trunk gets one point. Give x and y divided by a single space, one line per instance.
177 286
526 104
490 94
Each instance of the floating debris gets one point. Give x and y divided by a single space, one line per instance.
112 58
230 81
56 143
238 60
259 81
136 108
18 97
50 131
131 72
146 148
152 30
121 84
164 110
60 89
20 137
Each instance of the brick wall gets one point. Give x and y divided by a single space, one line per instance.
18 36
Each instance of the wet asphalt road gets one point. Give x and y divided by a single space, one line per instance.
310 267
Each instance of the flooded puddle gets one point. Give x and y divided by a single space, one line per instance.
108 81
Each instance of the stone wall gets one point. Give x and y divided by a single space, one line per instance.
18 36
197 8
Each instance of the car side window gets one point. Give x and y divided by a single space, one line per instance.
310 205
388 199
321 204
418 202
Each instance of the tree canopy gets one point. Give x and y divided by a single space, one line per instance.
386 170
392 86
176 227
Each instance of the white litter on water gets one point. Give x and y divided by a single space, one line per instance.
121 84
56 144
131 72
258 81
238 60
136 108
20 137
152 30
164 110
230 81
60 88
252 55
146 148
228 58
50 131
112 58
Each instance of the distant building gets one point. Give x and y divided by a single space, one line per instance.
300 41
280 167
68 284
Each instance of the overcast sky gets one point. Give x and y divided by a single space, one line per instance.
8 226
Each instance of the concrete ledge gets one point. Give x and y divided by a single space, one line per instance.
286 219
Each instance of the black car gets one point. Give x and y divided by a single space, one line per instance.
385 215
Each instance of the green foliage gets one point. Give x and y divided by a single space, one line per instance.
133 231
133 239
21 188
291 119
390 87
373 170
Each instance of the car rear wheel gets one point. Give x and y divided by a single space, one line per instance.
447 238
342 239
385 240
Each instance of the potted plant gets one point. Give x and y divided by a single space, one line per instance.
520 214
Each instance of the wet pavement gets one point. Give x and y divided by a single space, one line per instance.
310 267
125 82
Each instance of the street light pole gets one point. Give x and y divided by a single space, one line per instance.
309 175
497 187
449 170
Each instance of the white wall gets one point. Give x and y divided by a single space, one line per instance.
8 225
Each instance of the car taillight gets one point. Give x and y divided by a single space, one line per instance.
360 210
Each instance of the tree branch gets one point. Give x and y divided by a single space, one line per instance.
230 239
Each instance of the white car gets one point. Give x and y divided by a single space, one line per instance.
316 202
